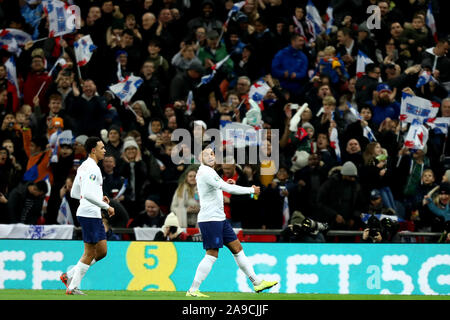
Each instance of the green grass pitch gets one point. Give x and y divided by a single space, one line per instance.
19 294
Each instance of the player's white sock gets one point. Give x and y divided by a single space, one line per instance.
246 266
72 270
78 274
203 269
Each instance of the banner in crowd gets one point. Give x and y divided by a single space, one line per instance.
125 89
25 231
439 125
414 107
344 268
62 18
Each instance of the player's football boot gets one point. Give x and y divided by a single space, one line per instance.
264 285
75 292
65 279
197 294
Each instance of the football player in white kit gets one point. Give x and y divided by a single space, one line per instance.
215 229
87 187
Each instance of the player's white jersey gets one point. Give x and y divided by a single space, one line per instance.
87 187
210 186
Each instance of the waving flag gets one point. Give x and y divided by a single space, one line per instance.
330 20
334 143
417 136
236 7
424 78
367 131
122 189
12 39
257 92
11 73
361 63
84 48
189 101
206 79
125 90
439 125
62 18
312 14
414 107
431 23
64 213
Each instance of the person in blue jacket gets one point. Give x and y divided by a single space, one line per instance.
290 66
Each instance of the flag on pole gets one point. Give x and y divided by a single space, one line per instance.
62 18
414 107
125 89
431 23
334 143
64 213
361 63
236 7
11 40
439 125
330 20
122 189
11 73
312 14
424 78
189 101
417 136
206 79
84 48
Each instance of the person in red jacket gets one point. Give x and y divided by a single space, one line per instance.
35 79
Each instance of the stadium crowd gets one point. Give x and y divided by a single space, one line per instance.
171 45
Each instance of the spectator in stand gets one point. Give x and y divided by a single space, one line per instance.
171 230
185 203
439 206
12 98
290 66
136 172
367 84
88 110
114 145
383 104
25 202
35 77
183 59
340 198
151 217
436 57
152 91
347 49
353 153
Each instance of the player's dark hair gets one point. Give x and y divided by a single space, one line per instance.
91 143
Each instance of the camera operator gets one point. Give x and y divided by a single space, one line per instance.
171 230
380 231
303 229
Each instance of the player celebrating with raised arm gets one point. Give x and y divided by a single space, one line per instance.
215 229
87 187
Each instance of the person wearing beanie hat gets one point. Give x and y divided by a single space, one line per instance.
349 169
151 216
171 230
340 199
